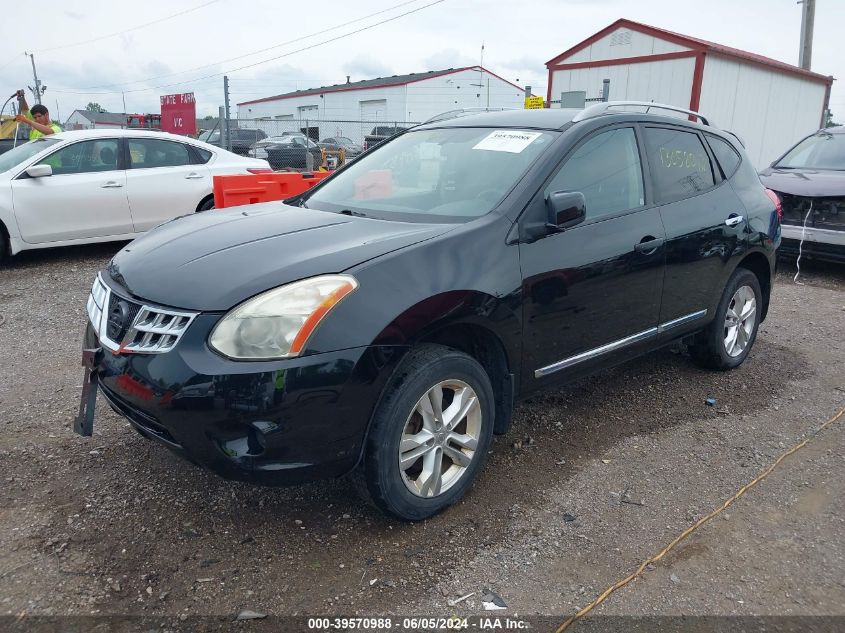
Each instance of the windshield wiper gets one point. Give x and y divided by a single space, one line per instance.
357 214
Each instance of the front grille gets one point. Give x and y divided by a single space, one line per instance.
123 325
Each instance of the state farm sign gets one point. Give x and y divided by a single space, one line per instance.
179 114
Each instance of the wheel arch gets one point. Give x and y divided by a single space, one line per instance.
203 201
759 264
483 345
5 241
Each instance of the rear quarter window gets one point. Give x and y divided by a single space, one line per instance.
725 154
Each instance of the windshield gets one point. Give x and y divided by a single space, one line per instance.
24 152
820 151
210 137
445 175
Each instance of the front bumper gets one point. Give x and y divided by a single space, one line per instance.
273 423
819 243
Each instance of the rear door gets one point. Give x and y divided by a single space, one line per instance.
165 179
84 198
705 225
592 292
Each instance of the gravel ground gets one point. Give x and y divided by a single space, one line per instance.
593 479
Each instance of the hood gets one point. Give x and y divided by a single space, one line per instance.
214 260
804 182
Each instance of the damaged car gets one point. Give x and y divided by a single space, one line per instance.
809 179
384 323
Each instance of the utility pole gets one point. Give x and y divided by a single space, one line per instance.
226 108
37 90
808 15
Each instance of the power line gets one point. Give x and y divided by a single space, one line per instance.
134 28
262 50
232 70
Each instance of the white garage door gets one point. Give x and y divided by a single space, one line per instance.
309 112
374 110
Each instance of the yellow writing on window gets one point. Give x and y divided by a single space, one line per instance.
683 159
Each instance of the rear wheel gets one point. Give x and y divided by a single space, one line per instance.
4 246
430 434
727 341
206 205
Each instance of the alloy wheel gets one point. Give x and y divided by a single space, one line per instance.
740 320
440 438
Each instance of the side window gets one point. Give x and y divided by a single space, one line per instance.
153 152
607 170
725 154
84 157
204 154
679 163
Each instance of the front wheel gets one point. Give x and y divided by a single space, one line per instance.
430 434
206 205
726 342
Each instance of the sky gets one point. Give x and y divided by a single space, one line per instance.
107 52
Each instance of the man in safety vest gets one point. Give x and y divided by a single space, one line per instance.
37 117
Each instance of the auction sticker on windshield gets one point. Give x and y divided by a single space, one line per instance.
512 141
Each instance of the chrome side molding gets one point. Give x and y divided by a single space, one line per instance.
615 345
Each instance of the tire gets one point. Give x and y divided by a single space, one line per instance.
4 246
206 205
720 346
407 493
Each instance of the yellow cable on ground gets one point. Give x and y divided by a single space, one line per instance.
697 525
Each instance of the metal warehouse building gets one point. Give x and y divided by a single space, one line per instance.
768 103
397 99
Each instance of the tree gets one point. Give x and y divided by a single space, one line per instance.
94 107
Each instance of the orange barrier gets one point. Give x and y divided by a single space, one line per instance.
233 191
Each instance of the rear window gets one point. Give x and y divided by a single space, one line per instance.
680 166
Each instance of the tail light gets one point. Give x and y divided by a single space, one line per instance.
775 198
259 170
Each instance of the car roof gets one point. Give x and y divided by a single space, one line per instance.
82 134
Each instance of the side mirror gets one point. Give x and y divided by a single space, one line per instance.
565 209
39 171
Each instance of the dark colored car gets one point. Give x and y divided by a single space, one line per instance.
242 139
385 322
337 143
381 133
810 181
293 151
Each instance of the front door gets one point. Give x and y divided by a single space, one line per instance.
84 198
592 291
162 181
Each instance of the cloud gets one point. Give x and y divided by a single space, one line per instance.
74 15
448 58
366 66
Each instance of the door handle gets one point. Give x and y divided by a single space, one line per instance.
111 184
193 175
734 220
649 244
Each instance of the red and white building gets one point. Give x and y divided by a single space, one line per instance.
768 103
401 98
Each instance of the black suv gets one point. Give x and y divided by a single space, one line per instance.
385 322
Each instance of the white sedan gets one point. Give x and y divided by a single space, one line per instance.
103 185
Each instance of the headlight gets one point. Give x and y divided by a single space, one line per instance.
277 323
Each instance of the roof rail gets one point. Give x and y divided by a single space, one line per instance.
602 108
454 114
